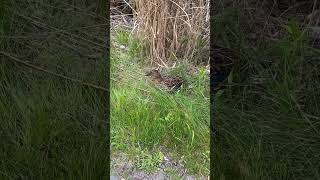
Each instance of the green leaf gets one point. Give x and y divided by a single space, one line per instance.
293 28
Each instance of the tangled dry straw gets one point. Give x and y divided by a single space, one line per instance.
173 30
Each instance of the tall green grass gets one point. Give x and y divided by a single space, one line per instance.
145 117
51 128
4 17
268 119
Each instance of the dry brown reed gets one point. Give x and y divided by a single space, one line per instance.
173 31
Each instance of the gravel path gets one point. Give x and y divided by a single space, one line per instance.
122 168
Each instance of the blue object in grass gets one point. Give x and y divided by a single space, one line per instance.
217 79
223 59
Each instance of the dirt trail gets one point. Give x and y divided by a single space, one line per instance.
122 168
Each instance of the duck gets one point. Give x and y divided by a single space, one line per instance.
170 83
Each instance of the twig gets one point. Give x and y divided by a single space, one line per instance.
53 73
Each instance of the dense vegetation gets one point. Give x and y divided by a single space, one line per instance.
53 104
268 116
144 117
52 127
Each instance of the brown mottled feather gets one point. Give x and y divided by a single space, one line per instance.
169 82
